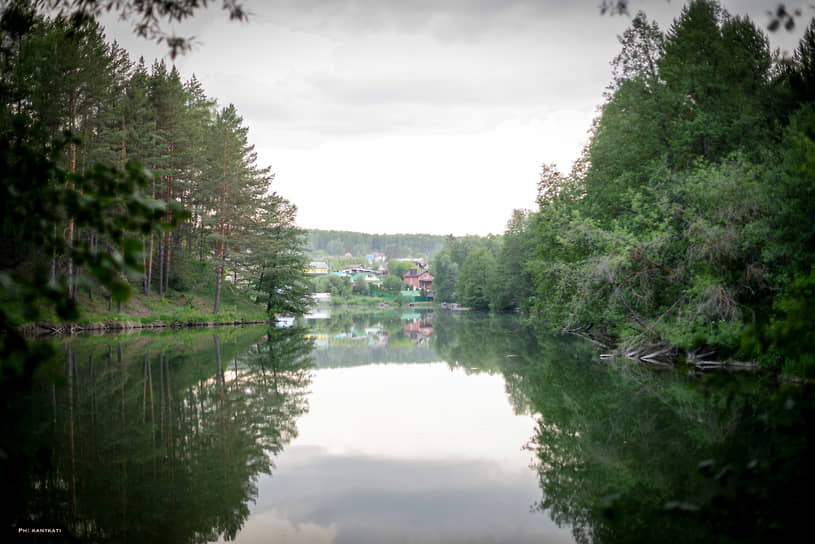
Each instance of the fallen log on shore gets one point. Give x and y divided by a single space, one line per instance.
665 356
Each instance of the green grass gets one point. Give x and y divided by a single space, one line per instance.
194 305
362 301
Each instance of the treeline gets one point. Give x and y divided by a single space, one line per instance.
466 271
336 243
487 273
686 227
120 175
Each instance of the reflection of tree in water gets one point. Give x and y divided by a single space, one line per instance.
627 454
482 342
154 441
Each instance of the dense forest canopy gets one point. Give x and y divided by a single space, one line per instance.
119 175
336 243
686 226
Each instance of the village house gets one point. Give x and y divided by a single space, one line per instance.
418 280
317 268
367 276
359 269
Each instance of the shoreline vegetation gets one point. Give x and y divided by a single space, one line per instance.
183 310
174 311
684 231
129 197
67 329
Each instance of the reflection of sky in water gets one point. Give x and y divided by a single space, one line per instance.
403 453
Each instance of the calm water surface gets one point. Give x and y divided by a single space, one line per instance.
397 427
400 446
404 453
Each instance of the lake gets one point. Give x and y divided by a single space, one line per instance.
406 426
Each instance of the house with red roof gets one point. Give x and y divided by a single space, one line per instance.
418 280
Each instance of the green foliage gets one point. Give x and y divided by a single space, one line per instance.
445 276
335 243
130 397
364 301
399 268
251 231
788 340
690 210
475 279
511 283
79 126
392 283
361 287
627 453
39 196
146 17
340 286
447 264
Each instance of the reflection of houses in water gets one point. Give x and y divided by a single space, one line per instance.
283 321
317 313
375 336
420 329
380 340
320 339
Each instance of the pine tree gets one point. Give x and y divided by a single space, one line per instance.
171 157
63 70
278 256
232 187
141 145
200 110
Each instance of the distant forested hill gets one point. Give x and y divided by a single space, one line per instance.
395 246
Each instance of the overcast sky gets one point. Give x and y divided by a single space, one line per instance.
425 116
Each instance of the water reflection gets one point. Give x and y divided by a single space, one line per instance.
399 446
374 500
156 438
345 338
400 426
625 453
405 453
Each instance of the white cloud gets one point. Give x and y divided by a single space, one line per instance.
374 114
261 526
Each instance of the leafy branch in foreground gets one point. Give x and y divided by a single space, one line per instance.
38 197
147 16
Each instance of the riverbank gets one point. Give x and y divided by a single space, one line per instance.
175 310
179 310
373 302
37 329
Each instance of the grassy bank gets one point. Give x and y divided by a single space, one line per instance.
373 301
363 301
176 308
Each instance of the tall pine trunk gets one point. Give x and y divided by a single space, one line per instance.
160 267
148 272
220 274
69 234
165 287
166 275
201 243
221 244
